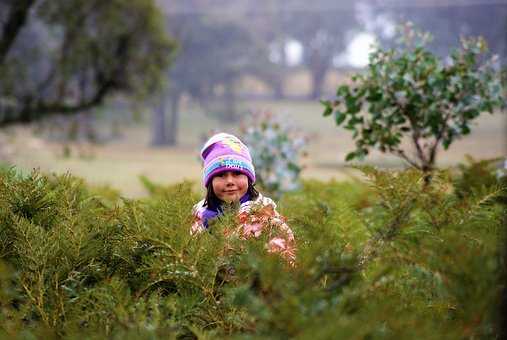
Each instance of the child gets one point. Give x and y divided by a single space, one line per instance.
229 177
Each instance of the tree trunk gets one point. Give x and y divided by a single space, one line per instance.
280 76
15 21
318 74
172 136
278 89
159 136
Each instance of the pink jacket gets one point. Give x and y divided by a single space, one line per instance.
255 218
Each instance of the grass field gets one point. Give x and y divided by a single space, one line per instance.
120 162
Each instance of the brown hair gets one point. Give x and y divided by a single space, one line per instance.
213 202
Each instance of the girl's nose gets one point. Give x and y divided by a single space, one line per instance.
229 177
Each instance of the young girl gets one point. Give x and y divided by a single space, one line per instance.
229 177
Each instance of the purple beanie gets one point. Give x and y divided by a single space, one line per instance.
225 152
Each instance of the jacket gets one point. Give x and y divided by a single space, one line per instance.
254 218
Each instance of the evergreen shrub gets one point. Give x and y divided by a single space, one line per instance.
388 258
476 175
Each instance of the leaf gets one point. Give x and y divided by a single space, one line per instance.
328 109
447 142
339 117
343 90
350 156
374 95
465 129
353 108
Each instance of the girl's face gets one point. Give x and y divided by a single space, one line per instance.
230 186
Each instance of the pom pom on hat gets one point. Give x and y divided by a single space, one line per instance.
225 152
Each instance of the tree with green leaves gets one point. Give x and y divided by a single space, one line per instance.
410 93
68 56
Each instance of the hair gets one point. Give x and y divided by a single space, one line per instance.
213 202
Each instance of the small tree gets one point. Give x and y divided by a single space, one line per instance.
276 150
409 92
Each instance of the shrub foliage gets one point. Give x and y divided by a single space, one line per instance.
392 258
276 150
409 92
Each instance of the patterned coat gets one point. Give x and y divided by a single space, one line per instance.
255 218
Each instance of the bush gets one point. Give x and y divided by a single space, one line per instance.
409 93
477 175
392 258
276 151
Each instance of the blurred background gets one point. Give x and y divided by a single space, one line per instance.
114 90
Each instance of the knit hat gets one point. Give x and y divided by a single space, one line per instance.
225 152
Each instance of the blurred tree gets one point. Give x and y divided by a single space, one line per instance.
323 27
67 56
268 25
449 21
213 54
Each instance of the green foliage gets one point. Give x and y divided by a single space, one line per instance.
77 53
410 93
475 175
4 166
390 258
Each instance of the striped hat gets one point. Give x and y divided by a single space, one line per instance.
225 152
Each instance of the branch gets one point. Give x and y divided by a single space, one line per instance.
401 154
441 132
16 20
31 113
438 138
420 153
440 135
415 139
68 39
106 83
391 230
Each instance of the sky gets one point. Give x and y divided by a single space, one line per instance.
356 54
360 45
